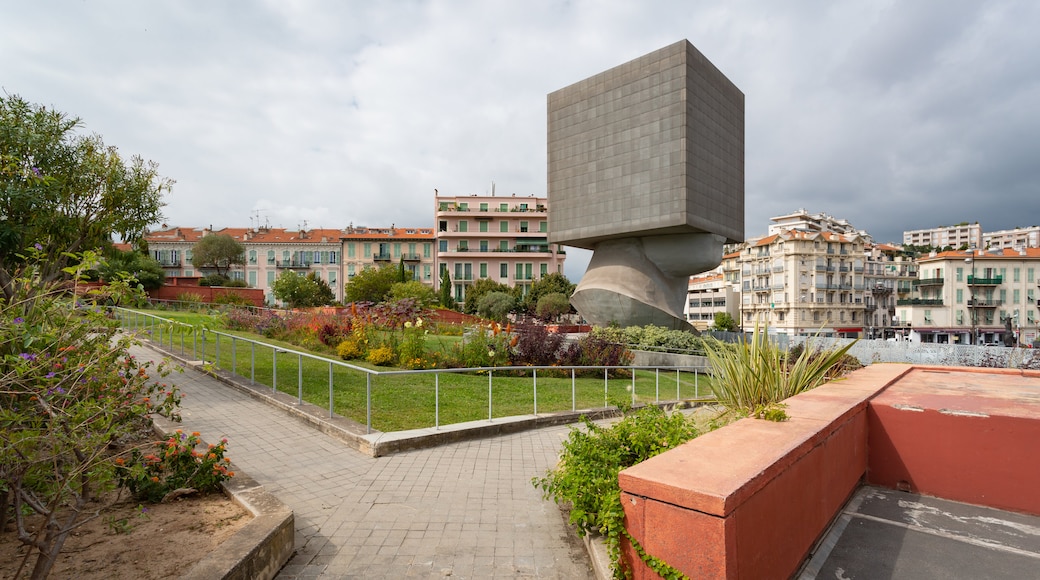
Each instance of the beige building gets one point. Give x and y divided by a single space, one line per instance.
955 236
1012 239
709 294
504 239
967 297
375 247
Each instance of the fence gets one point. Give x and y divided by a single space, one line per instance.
880 351
408 399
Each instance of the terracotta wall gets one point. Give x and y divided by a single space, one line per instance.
751 499
255 296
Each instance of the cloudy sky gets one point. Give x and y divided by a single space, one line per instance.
892 114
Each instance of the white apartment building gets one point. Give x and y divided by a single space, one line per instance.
956 236
802 220
707 295
967 297
501 238
1012 239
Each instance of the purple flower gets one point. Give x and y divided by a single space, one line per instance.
27 356
19 320
38 246
36 171
50 375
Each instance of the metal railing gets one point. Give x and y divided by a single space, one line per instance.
239 356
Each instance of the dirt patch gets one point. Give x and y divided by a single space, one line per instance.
132 540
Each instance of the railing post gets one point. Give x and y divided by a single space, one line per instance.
203 359
252 362
216 351
330 389
274 369
234 359
678 395
299 384
605 396
534 375
574 394
657 385
368 402
696 387
489 395
633 386
194 343
436 400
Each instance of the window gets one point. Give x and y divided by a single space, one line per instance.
270 278
543 269
270 256
503 270
543 227
483 245
519 271
397 250
483 270
442 225
467 271
523 226
1016 273
332 281
1017 297
503 226
463 245
960 274
960 295
1029 275
503 246
351 251
523 207
426 271
350 270
503 207
463 226
426 250
483 226
442 246
483 207
367 250
252 256
252 279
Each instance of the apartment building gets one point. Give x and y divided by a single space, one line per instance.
269 251
967 297
1012 239
707 295
956 236
802 220
888 277
365 247
501 238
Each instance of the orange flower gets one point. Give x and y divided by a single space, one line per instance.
155 479
120 461
194 433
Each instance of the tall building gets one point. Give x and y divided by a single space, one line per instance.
708 295
955 236
802 220
501 238
969 296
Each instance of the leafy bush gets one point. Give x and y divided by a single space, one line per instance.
482 347
594 351
586 476
214 280
534 345
192 300
844 365
232 299
382 355
174 465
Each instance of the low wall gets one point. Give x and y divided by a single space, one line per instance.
971 436
208 294
646 358
751 499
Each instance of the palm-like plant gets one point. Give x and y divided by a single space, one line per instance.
755 374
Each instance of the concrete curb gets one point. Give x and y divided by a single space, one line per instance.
261 547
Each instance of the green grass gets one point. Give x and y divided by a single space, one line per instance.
407 401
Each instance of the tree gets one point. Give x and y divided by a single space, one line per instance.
553 283
302 291
478 290
422 294
725 322
141 267
446 300
66 192
551 306
495 305
374 284
218 252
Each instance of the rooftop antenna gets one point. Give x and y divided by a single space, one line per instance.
492 188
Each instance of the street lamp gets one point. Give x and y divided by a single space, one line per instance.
972 307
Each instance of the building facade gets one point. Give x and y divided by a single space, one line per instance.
1012 239
956 236
504 239
970 296
413 248
708 295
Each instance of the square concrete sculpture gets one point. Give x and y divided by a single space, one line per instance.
646 163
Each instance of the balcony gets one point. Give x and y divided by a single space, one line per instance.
293 264
920 302
929 281
994 281
411 257
983 303
381 257
169 263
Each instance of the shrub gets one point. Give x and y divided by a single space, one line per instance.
482 347
586 476
351 349
755 375
192 300
231 299
382 355
594 351
534 345
214 280
173 465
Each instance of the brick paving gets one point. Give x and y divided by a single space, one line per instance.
464 510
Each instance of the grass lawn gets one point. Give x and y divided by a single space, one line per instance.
419 399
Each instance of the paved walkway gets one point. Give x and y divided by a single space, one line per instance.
465 510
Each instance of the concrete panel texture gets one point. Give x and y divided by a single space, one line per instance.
653 146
